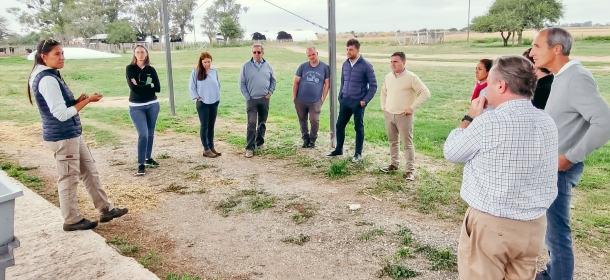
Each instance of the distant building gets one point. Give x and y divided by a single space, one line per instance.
285 35
98 38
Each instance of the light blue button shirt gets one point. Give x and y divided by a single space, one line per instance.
208 89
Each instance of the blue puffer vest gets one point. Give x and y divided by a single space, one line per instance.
53 129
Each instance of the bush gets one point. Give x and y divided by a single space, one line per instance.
489 40
526 42
599 39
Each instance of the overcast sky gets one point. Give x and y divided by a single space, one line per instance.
367 15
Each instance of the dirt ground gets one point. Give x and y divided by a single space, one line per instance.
187 234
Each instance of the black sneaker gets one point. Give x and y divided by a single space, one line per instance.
107 216
141 170
357 158
334 154
151 162
84 224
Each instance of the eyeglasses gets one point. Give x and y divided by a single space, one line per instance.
257 52
50 42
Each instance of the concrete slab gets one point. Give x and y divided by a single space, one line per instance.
48 252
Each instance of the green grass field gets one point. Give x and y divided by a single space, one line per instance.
451 88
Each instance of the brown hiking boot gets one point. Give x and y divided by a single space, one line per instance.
217 153
84 224
391 167
209 154
107 216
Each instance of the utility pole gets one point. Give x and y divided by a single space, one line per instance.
168 57
332 61
468 36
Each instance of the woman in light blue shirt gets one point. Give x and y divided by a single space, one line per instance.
205 88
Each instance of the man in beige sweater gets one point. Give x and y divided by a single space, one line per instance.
402 93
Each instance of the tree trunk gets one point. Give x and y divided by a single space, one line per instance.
520 38
505 40
513 33
182 32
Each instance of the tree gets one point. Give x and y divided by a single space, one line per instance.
52 16
5 32
147 18
120 32
181 14
502 22
230 29
519 15
219 10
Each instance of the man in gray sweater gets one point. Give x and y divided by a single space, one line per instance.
257 83
582 117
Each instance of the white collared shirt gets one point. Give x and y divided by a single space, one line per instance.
354 62
567 65
404 70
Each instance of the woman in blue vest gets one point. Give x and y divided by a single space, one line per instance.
61 130
143 104
204 87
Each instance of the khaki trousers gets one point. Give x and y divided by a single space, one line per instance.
493 248
74 162
402 125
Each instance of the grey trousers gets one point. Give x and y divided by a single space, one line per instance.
258 110
308 110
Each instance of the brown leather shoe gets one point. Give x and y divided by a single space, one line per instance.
107 216
215 152
210 154
410 176
391 167
83 224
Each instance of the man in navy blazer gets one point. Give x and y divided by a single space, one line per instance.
358 86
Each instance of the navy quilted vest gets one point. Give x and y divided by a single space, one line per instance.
52 128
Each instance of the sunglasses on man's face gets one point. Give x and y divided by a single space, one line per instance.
257 52
50 42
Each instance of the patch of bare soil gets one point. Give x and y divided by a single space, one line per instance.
236 218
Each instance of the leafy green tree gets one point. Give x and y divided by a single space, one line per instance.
120 32
230 29
181 14
514 16
5 32
221 9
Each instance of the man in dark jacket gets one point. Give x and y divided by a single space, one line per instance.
358 86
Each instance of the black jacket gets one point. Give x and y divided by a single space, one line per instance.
142 93
543 90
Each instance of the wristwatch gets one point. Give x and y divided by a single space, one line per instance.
467 118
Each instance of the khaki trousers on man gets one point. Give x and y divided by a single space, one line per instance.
493 248
402 125
74 162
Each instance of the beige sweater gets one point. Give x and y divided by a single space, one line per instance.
403 92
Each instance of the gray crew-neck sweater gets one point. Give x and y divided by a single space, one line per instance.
581 114
256 80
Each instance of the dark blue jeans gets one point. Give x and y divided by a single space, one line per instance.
558 237
347 108
144 118
207 117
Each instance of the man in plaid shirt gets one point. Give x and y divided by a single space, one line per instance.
509 176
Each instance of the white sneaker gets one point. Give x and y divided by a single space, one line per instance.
249 153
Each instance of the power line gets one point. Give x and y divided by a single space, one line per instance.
320 26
